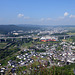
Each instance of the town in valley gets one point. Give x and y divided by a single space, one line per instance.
25 51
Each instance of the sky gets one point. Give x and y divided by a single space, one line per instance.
39 12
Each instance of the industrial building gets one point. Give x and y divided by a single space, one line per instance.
48 38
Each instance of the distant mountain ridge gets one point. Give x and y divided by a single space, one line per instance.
7 28
4 29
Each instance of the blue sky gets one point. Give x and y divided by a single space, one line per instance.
43 12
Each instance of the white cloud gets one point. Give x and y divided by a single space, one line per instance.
66 14
48 19
20 15
26 17
61 18
72 16
42 19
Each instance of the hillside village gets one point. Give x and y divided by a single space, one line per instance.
47 54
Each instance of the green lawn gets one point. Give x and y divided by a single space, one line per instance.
2 45
26 45
71 33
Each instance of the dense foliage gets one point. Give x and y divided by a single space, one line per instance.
65 70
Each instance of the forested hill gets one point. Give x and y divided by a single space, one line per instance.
8 28
4 29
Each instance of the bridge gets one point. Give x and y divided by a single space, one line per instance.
64 36
20 37
23 37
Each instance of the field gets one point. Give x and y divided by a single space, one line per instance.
2 45
26 45
71 33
